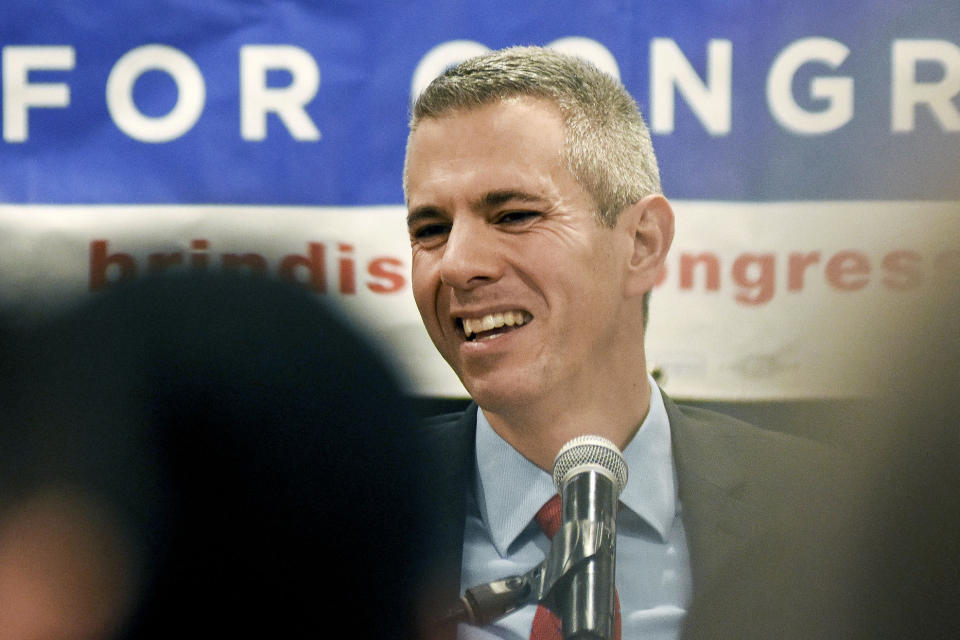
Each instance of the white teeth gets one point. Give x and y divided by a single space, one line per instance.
495 321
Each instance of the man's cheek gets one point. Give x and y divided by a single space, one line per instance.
420 296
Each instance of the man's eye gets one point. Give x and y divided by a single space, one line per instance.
511 217
429 231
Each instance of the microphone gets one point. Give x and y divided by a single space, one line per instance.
576 579
589 473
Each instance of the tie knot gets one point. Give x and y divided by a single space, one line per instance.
548 517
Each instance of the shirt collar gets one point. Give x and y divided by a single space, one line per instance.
510 489
651 491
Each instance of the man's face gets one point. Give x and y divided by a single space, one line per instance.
520 289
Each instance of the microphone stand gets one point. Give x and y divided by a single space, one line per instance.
573 546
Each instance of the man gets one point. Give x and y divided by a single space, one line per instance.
538 230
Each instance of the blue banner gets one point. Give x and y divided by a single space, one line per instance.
305 102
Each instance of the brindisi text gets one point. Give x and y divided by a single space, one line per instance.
320 269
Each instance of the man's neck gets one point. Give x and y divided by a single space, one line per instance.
539 430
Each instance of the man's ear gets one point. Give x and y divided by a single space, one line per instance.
649 223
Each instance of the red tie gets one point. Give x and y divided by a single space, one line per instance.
546 624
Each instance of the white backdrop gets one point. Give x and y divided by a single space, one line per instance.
758 301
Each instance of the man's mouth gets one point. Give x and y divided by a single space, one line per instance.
493 324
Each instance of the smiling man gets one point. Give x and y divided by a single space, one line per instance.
508 259
538 229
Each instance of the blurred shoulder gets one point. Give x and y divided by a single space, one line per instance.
758 465
722 431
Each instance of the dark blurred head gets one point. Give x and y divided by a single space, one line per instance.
249 449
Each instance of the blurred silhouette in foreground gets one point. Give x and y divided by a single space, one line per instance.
205 457
879 557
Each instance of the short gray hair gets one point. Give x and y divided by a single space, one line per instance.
607 145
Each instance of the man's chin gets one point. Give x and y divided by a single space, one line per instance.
500 395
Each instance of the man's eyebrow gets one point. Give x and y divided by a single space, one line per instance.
421 213
489 200
496 198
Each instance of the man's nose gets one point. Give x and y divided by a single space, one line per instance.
471 256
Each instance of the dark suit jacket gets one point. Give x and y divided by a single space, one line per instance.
734 479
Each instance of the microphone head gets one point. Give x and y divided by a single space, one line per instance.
593 453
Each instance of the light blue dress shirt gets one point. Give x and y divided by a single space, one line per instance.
653 565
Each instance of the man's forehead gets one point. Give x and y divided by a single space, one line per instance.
485 157
513 133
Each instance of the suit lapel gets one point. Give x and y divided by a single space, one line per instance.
449 452
715 494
